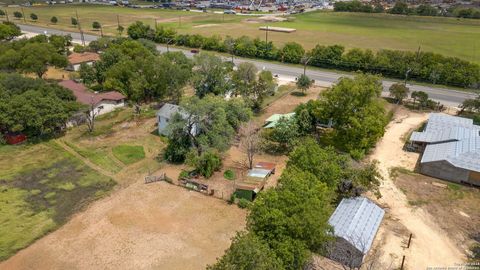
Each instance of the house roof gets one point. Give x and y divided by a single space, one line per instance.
168 110
357 221
271 121
452 139
78 58
259 173
265 165
87 97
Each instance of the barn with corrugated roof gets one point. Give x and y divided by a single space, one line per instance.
451 148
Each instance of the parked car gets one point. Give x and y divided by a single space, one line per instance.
194 51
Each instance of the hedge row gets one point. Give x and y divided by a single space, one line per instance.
422 66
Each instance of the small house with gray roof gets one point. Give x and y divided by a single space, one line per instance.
451 148
165 116
355 223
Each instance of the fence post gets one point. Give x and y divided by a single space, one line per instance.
403 261
409 240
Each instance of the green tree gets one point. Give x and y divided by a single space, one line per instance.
248 251
399 92
471 105
400 7
210 75
207 163
33 16
33 107
140 30
205 124
36 58
292 52
17 14
303 83
422 98
358 116
74 21
120 30
96 25
60 42
283 137
244 78
8 31
293 217
54 20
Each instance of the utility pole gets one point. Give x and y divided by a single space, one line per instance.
179 21
118 22
6 13
80 28
409 69
101 30
156 23
305 61
23 13
266 35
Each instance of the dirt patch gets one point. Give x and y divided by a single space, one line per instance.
205 25
140 227
455 208
431 245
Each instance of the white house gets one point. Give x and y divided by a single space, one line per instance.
102 102
165 115
76 59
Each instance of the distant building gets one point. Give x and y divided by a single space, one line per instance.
77 59
355 223
451 148
102 102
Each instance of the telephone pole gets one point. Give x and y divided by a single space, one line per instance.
6 13
23 13
80 28
266 35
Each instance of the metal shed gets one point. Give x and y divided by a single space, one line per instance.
355 223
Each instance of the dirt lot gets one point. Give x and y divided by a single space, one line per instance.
154 226
454 207
431 245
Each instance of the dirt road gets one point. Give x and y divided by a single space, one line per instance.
430 245
154 226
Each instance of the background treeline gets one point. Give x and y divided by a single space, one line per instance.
403 8
422 66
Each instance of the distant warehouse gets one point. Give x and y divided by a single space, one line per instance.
451 148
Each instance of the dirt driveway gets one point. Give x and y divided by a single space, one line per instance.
431 245
154 226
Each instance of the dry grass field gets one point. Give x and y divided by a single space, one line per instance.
448 36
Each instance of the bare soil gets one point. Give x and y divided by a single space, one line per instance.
431 244
144 226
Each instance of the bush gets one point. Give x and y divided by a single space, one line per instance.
206 164
229 174
243 203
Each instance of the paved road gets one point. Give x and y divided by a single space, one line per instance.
446 96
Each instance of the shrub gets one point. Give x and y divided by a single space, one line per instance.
243 203
229 174
206 163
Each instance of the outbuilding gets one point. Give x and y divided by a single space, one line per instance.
451 148
355 222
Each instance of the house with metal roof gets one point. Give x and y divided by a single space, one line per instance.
271 121
451 148
355 223
165 115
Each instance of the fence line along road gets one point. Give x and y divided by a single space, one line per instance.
446 96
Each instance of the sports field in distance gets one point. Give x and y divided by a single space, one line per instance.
448 36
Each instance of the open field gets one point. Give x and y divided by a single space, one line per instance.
41 187
448 36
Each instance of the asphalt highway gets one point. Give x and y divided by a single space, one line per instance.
449 97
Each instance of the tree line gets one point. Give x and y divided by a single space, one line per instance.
422 66
402 8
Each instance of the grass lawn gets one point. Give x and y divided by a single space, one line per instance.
448 36
128 154
41 187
